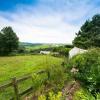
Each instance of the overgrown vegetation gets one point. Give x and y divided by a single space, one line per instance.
62 50
83 94
51 96
88 66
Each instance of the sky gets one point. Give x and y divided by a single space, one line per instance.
47 21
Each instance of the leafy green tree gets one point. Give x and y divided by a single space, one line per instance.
1 44
89 34
8 41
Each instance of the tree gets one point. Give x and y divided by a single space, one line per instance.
89 34
8 41
1 44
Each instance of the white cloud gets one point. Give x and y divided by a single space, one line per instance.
49 22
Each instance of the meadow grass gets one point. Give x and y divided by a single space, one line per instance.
17 66
21 65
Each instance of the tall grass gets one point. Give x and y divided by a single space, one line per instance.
18 66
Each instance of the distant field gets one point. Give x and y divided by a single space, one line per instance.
35 47
18 66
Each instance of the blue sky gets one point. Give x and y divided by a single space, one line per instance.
47 21
10 5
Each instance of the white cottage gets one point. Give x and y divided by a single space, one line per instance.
45 52
74 51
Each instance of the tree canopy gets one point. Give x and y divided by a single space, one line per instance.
8 41
89 34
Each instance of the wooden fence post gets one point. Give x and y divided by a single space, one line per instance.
15 85
48 73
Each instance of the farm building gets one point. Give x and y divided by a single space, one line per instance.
74 51
45 52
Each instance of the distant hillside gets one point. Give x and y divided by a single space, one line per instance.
29 44
35 46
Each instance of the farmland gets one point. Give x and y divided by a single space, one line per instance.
17 66
21 65
36 46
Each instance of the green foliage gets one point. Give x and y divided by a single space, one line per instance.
57 77
83 94
42 97
62 50
98 96
21 49
88 65
89 34
8 41
54 79
68 46
51 96
38 82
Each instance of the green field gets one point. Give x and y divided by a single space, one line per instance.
17 66
30 46
35 47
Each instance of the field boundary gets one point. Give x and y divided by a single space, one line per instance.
14 83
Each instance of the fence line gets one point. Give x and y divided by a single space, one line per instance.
14 83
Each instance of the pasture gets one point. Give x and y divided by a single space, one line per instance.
21 65
17 66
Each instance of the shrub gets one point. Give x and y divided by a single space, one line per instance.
98 96
88 65
57 77
62 50
69 46
55 81
83 94
51 96
42 97
38 82
21 49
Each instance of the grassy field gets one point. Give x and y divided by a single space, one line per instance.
41 46
17 66
35 47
